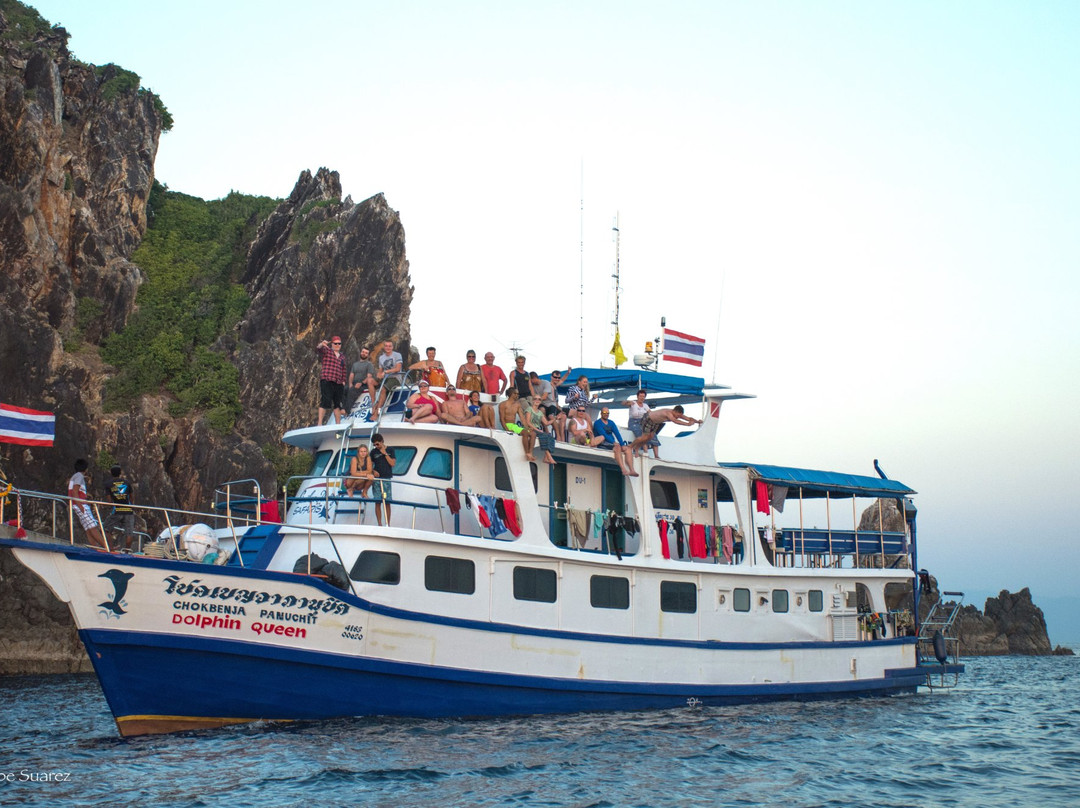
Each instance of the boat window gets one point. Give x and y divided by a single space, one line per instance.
377 567
665 495
502 475
779 600
531 583
318 465
403 458
815 600
740 600
456 575
678 596
438 463
608 592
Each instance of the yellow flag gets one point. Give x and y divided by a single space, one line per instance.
617 352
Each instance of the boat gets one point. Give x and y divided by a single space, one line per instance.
501 585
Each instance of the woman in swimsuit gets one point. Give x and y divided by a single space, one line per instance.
423 408
468 375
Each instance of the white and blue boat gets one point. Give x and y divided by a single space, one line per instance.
504 586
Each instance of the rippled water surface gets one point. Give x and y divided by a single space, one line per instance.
1009 735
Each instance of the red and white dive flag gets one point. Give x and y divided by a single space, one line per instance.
26 427
680 347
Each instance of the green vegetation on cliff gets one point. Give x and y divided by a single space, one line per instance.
25 26
193 254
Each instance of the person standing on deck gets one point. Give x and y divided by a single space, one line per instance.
382 459
77 491
333 373
494 378
387 373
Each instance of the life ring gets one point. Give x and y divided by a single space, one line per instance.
940 652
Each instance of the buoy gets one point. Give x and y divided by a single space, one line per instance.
939 647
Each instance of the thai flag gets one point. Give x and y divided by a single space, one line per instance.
680 347
26 427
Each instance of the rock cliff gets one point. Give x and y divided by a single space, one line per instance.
77 149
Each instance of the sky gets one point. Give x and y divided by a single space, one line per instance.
868 210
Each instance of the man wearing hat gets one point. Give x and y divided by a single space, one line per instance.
333 374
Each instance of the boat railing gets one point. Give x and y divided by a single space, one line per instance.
235 505
333 504
46 512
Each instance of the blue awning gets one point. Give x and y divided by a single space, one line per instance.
815 483
612 379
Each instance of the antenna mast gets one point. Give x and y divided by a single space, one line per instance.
581 272
615 275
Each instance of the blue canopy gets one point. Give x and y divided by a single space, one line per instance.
613 379
816 483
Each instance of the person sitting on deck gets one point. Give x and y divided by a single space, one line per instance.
580 431
423 409
549 401
509 410
454 411
638 410
578 395
608 432
361 473
485 411
535 425
654 421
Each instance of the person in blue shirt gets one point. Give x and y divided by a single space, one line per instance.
609 431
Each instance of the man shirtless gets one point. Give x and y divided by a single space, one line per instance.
454 411
508 412
654 421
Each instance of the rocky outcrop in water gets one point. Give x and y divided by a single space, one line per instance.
1008 624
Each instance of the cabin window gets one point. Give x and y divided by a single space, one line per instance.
438 463
608 592
815 600
665 495
779 600
457 575
502 475
678 596
377 567
740 600
535 584
403 459
318 464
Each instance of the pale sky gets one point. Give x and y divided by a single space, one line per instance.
869 210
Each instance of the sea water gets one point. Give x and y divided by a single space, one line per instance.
1009 735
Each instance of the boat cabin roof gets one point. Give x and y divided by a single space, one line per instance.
816 483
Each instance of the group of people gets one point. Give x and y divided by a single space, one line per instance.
122 518
530 408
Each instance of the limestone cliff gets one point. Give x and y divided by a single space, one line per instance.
77 149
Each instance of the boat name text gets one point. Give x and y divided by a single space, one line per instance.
197 589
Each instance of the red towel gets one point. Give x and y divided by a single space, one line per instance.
662 527
697 541
452 501
761 492
511 519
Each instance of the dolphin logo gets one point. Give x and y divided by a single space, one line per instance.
119 580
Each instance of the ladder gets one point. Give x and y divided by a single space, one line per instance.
938 646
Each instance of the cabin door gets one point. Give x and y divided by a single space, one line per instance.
615 500
557 525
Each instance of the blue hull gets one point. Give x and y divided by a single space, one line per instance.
160 683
